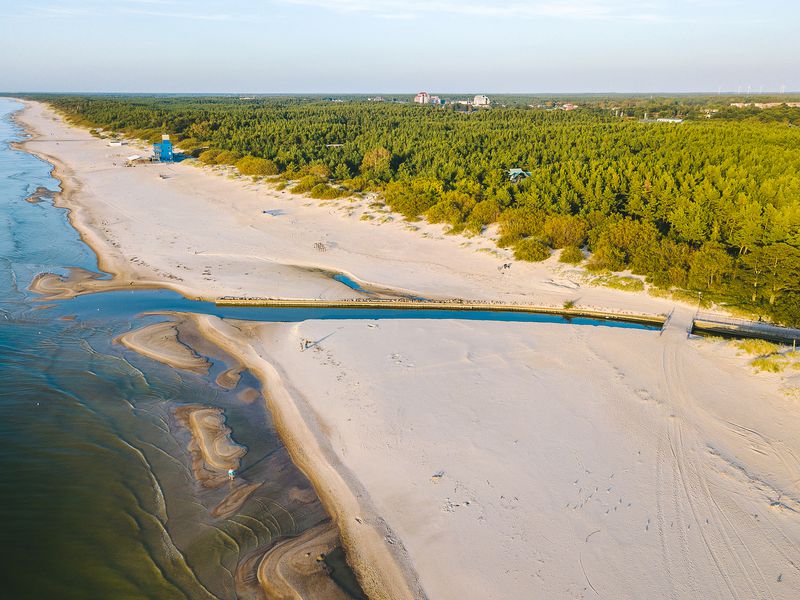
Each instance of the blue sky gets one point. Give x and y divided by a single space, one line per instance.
399 46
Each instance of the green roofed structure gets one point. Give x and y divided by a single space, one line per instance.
516 174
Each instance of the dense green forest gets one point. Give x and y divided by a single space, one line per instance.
710 205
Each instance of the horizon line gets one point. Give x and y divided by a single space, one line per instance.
402 93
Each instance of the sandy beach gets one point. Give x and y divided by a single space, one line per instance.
466 460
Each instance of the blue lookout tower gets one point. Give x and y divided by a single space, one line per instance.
163 151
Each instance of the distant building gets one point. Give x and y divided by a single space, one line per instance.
481 100
568 106
435 100
164 151
422 98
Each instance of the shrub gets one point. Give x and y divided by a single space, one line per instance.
323 191
571 255
565 230
306 184
227 157
251 165
209 157
531 250
319 170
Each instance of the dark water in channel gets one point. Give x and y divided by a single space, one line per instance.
97 498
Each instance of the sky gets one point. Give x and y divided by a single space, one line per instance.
399 46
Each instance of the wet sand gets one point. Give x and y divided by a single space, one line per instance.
287 569
213 450
294 568
160 341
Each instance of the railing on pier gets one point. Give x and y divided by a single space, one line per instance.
710 323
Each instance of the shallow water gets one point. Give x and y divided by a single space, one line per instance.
96 492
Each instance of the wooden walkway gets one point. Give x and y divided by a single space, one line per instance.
706 323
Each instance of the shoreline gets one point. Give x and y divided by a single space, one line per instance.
383 577
384 570
116 266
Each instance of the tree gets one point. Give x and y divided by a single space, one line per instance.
376 163
709 267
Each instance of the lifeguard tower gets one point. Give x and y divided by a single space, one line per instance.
163 151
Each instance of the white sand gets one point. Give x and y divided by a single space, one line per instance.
577 462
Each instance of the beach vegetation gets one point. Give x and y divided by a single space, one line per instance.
756 347
252 165
209 157
571 255
531 249
323 191
619 282
227 157
774 363
306 184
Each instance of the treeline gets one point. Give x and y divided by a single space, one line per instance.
711 205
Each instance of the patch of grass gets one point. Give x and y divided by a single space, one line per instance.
774 363
323 191
619 282
569 304
366 217
756 347
791 391
306 184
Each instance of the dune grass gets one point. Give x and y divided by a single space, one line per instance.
774 363
757 347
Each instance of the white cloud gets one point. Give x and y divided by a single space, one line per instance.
194 16
565 9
